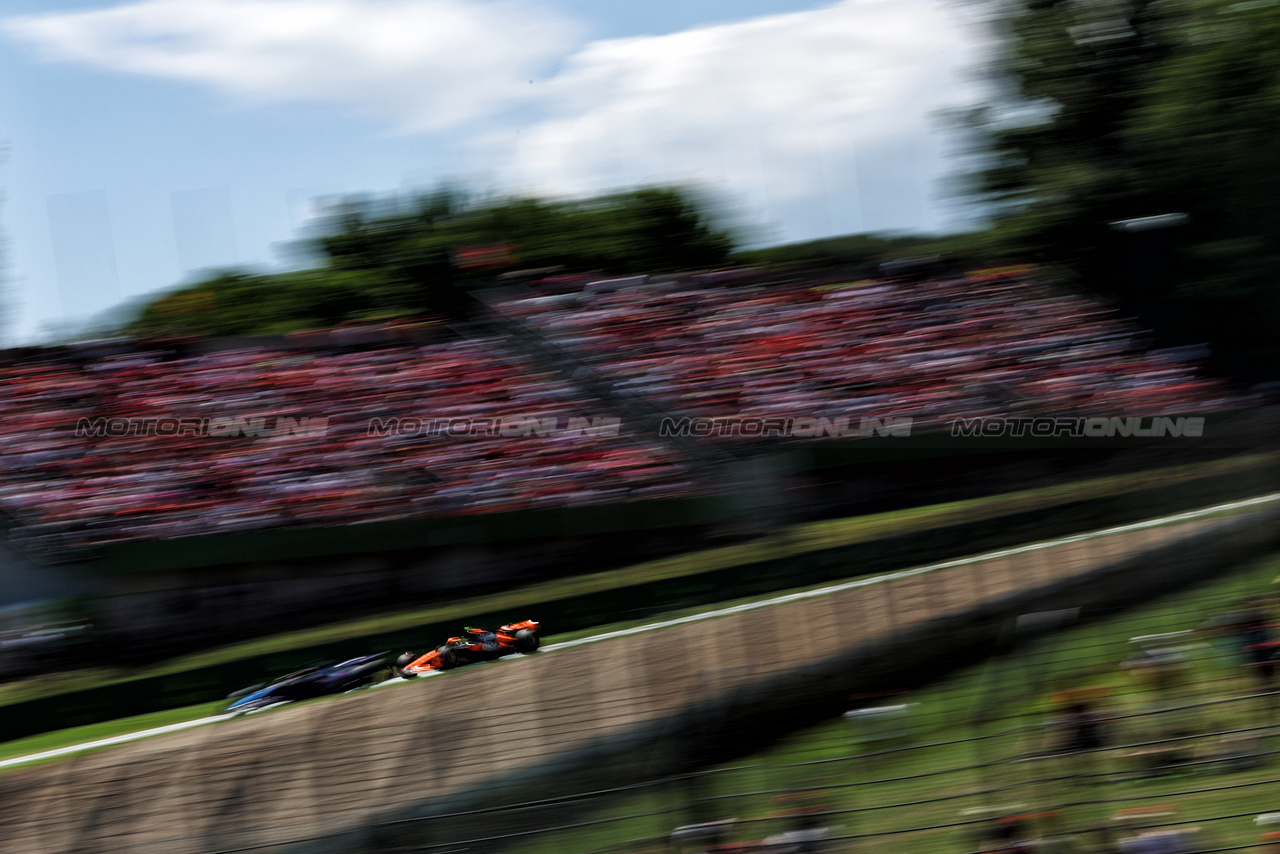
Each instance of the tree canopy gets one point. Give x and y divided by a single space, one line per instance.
1114 110
382 258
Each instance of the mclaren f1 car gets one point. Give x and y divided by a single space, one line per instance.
473 646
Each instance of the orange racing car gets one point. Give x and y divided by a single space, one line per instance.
476 645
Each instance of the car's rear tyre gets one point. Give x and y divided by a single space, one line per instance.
527 641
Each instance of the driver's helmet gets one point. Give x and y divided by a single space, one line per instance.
405 660
472 630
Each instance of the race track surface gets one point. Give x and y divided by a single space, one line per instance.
301 772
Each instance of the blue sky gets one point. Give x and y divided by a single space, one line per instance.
151 140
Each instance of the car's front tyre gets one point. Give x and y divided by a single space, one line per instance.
398 667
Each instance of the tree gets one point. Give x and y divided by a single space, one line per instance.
1110 110
1208 126
399 257
238 303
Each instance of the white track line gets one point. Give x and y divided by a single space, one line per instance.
921 570
720 612
107 742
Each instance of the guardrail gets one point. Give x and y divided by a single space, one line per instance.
278 544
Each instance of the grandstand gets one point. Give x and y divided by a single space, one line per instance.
120 447
108 447
200 489
995 342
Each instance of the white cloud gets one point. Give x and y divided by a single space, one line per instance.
422 64
776 109
824 114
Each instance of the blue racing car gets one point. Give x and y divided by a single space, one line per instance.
317 681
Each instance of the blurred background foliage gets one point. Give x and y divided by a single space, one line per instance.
1110 110
383 259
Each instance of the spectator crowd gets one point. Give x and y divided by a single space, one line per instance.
68 486
979 345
